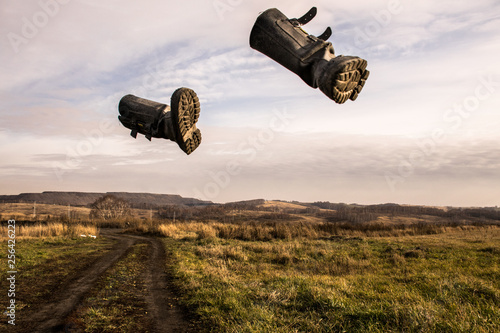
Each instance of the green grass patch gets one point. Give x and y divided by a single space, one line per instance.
432 283
44 266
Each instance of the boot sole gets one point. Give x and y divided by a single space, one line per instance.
185 108
349 79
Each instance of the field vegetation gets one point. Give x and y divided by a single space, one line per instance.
45 264
287 267
52 229
446 281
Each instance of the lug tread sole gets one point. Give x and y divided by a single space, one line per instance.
350 80
186 111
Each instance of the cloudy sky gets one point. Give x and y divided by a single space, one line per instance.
425 130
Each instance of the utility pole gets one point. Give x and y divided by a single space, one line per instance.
174 216
34 210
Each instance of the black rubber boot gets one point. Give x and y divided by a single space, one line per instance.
155 120
312 58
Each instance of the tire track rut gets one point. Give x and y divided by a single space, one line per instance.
166 316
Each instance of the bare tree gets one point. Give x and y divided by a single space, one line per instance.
109 207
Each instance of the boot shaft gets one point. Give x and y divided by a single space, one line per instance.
142 115
284 41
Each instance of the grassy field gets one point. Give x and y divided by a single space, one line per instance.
47 212
395 274
31 211
446 282
44 265
51 230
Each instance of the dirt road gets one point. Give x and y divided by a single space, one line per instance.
164 313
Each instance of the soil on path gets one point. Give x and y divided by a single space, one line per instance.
166 315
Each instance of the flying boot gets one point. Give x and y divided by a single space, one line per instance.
156 120
312 58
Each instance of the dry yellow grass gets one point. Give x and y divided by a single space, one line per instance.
265 231
406 219
187 230
51 230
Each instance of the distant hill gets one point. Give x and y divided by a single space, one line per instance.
137 200
244 203
283 205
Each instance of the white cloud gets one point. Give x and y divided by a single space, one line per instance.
70 75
